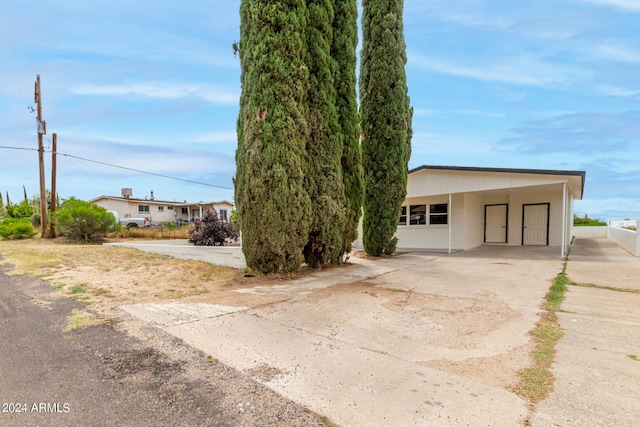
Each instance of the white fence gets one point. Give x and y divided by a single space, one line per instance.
629 240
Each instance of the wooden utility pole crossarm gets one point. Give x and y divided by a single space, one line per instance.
42 129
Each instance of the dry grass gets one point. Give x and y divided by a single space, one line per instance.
104 277
153 233
81 319
537 381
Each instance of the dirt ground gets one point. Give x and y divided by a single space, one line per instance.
102 278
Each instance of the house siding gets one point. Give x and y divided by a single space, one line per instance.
473 221
425 236
434 182
471 191
128 208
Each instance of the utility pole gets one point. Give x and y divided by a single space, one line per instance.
42 130
52 209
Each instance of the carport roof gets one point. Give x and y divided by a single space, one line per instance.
581 174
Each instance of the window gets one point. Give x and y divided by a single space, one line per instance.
418 214
223 214
160 208
438 214
185 211
143 208
169 208
403 216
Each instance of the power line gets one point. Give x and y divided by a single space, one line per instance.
122 167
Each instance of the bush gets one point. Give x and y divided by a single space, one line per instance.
16 228
80 220
212 230
586 221
24 209
169 225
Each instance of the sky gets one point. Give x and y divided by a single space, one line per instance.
154 86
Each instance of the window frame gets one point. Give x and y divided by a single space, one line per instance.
143 209
403 214
420 220
433 213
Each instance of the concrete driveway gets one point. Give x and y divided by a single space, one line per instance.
226 256
434 339
417 339
598 361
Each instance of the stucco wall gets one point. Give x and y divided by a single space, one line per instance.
586 232
473 231
629 240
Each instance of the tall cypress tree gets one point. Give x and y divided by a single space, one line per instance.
343 50
385 122
324 147
272 203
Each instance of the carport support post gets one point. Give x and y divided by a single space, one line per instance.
450 216
564 220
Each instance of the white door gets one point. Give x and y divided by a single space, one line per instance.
536 225
495 224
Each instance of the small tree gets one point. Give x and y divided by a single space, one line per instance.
386 123
23 210
211 230
16 228
80 220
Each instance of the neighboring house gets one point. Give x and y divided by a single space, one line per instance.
458 208
158 211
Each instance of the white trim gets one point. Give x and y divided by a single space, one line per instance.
563 241
449 220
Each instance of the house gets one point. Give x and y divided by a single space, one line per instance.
158 211
458 208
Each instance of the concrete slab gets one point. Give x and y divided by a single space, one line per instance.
415 339
428 339
597 374
174 313
354 386
226 256
602 262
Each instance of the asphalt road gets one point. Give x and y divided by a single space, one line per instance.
90 376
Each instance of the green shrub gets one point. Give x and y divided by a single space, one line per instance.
586 221
16 228
80 220
169 225
22 210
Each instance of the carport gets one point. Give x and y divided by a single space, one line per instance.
452 208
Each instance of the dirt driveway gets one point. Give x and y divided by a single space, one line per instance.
417 339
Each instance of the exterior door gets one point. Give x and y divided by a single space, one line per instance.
495 224
535 223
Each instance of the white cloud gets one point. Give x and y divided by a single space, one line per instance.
216 137
609 90
161 90
476 21
611 52
423 112
522 70
624 4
